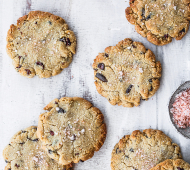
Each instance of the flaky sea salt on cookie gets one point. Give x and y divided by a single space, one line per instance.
25 153
40 44
127 73
71 130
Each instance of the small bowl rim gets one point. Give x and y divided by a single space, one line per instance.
170 103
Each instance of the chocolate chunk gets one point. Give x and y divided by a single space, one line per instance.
61 110
166 36
68 42
51 133
131 150
106 55
180 168
118 151
50 22
148 17
40 64
183 30
50 151
28 71
17 165
129 89
101 66
150 89
101 77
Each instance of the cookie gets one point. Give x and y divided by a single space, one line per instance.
127 73
25 152
40 44
71 130
143 150
159 21
169 164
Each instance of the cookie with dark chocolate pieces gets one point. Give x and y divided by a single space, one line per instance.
40 44
159 21
72 130
25 152
143 150
178 164
127 73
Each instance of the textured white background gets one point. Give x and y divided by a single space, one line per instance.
97 24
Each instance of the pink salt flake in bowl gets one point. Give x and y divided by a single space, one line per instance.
179 109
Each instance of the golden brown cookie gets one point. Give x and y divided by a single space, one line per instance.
25 152
143 150
40 44
127 73
71 130
159 20
170 164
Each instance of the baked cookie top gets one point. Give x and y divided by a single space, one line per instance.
170 164
71 130
159 21
40 44
127 73
25 152
143 150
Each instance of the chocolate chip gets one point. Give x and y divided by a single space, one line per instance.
28 71
118 151
61 110
131 150
6 161
134 46
19 66
76 153
150 80
143 12
23 131
166 36
183 30
17 165
9 169
21 143
35 140
40 64
68 42
64 168
50 151
50 22
19 57
101 66
148 17
106 55
51 133
150 89
56 103
101 77
180 168
129 89
36 22
126 156
81 160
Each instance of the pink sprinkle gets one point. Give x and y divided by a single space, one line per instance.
181 109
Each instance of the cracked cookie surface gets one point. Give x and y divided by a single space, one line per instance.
159 21
127 73
71 130
40 44
169 164
25 152
143 150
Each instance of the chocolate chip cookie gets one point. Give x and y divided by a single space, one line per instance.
71 130
159 21
143 150
169 164
25 152
40 44
127 73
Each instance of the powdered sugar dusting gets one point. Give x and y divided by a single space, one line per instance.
181 109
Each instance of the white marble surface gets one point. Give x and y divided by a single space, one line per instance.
97 24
